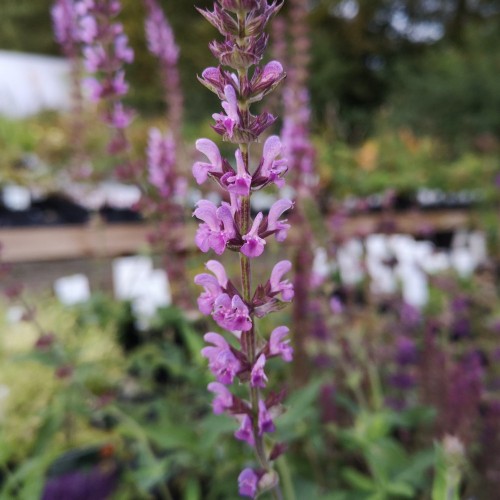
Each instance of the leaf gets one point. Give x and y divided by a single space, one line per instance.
358 480
300 405
400 489
417 468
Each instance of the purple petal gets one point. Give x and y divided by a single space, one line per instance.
218 270
248 483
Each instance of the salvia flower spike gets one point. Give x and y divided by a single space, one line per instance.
242 355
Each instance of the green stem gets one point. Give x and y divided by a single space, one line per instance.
286 478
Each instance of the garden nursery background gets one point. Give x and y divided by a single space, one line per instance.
357 353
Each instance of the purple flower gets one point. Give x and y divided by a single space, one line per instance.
161 154
265 421
266 80
212 291
248 482
402 380
65 25
216 79
231 314
410 315
278 226
336 305
123 52
221 360
406 353
94 58
121 117
279 348
214 165
277 285
254 245
98 483
119 87
240 182
258 377
159 34
223 398
245 432
270 168
214 285
94 88
230 105
218 227
88 29
218 270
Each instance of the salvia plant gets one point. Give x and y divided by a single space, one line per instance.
241 356
67 34
105 51
298 147
164 155
162 148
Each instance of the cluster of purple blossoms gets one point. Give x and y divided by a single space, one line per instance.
105 51
161 43
162 148
243 355
65 23
162 160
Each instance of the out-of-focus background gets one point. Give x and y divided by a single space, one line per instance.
397 394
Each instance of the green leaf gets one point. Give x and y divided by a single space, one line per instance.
358 480
400 489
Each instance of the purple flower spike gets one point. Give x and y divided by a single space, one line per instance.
214 165
266 423
65 27
248 482
161 161
276 226
223 398
258 377
160 36
254 246
221 361
232 314
284 287
235 305
279 348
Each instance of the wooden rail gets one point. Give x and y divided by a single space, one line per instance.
98 239
72 242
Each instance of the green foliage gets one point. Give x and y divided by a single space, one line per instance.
452 92
400 160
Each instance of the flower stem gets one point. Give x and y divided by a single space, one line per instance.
251 338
